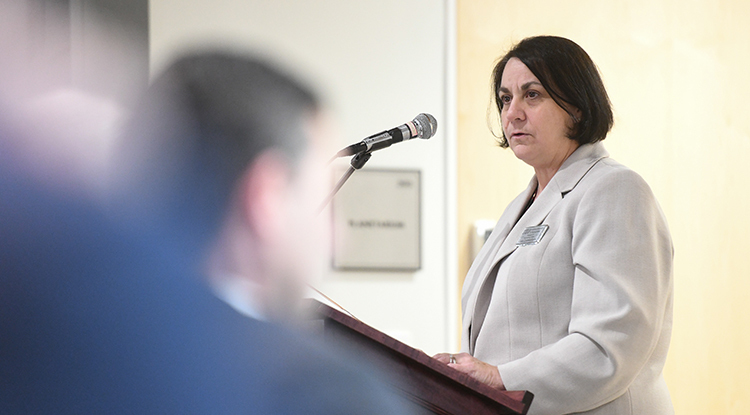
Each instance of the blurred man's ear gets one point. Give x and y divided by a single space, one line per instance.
264 193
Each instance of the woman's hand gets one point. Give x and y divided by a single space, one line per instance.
477 369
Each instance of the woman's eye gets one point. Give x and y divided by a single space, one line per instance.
505 99
532 94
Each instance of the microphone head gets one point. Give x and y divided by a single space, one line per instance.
426 125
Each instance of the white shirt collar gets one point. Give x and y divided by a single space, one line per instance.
239 293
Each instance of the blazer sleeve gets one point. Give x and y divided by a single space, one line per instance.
622 282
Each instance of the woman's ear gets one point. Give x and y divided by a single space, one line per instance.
576 114
575 118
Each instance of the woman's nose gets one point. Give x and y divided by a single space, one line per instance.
515 110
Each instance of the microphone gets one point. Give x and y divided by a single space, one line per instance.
422 126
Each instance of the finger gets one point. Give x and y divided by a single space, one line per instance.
442 357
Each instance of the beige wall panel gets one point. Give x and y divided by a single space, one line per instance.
678 74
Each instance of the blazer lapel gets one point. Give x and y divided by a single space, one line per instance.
482 265
577 165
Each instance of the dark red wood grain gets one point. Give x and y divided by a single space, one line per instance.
431 385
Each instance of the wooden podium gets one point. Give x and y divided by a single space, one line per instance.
428 386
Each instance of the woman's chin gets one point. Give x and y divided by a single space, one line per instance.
521 151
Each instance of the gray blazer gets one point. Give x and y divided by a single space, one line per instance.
583 317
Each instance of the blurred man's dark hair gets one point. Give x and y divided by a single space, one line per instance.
201 124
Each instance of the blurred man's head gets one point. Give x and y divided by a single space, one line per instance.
223 156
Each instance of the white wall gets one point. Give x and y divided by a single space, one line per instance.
378 63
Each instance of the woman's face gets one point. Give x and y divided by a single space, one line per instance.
535 126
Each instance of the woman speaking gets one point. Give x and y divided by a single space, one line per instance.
571 296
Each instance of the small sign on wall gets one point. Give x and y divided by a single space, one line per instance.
376 221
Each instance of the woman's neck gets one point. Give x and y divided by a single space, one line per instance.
544 174
543 177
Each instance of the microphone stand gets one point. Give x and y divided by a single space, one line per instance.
357 162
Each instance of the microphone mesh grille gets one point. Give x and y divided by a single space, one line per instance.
426 125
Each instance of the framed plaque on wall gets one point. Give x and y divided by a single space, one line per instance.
376 221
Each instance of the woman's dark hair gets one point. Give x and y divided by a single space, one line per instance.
570 76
